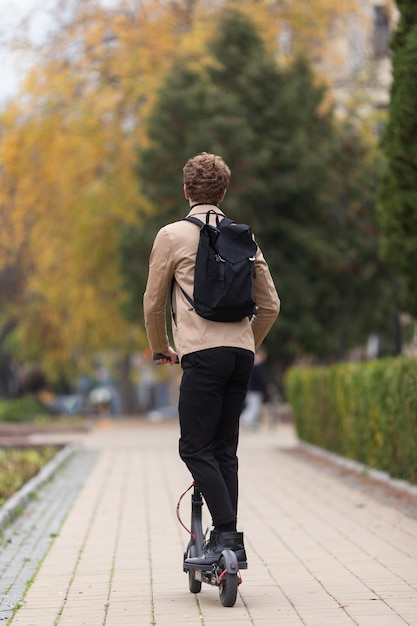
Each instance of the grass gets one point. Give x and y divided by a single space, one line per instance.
18 465
25 409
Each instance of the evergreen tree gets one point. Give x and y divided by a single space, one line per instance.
398 191
290 168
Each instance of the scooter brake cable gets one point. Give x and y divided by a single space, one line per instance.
178 511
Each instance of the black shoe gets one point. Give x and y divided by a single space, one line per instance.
210 553
214 547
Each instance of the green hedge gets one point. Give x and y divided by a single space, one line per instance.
25 409
364 411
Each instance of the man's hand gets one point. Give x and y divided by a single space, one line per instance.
170 357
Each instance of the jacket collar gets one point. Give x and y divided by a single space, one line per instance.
201 209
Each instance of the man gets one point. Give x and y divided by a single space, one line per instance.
216 357
256 392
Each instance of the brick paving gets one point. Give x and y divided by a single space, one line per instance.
321 552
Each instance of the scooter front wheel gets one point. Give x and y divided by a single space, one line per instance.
193 584
228 586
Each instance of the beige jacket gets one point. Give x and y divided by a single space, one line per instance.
173 254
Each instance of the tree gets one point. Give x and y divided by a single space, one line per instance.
68 190
289 160
68 187
398 190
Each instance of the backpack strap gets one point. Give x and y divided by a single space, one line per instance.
190 300
200 224
194 220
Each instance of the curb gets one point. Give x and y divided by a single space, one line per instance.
378 476
11 508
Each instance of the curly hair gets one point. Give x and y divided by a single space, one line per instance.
206 177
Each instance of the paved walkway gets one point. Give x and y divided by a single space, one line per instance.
320 552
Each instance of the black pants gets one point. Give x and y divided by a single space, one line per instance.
212 395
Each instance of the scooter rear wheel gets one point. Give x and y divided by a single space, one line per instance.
228 587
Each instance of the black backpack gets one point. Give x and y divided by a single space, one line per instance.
224 269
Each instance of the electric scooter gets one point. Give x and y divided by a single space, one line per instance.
225 573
